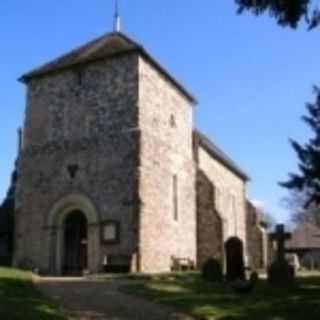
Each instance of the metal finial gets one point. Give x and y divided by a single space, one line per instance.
117 19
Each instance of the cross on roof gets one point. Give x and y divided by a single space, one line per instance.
280 236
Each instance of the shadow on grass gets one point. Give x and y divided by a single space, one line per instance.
20 300
140 276
220 301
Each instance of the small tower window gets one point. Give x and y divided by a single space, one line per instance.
175 197
172 121
80 77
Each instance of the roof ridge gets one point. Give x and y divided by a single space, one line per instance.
74 51
98 48
220 155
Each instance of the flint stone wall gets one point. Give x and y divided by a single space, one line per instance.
229 196
165 118
92 125
129 131
256 239
209 223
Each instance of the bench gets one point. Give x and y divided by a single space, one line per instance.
182 264
116 263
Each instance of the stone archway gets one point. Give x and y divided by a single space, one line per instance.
55 226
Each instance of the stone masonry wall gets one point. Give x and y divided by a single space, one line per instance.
165 119
256 239
209 223
229 195
85 117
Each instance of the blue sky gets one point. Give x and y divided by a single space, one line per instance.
251 77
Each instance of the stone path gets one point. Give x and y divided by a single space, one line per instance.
83 299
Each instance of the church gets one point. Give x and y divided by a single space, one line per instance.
112 172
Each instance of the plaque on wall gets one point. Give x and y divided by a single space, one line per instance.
110 231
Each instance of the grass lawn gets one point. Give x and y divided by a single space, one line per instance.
20 300
219 301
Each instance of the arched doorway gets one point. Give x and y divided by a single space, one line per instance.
55 226
75 243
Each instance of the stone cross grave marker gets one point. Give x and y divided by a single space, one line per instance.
280 237
280 272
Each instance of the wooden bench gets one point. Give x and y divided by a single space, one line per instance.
182 264
116 263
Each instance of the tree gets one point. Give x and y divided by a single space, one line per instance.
269 219
7 221
308 178
295 203
288 13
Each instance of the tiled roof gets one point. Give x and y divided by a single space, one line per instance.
108 45
306 235
219 155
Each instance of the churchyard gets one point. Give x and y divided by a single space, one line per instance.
20 300
206 300
209 294
185 291
277 295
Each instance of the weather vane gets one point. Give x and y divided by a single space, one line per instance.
117 19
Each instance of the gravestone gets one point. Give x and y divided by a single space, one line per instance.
280 272
234 259
211 270
280 237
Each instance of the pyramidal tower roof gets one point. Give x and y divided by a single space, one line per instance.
106 46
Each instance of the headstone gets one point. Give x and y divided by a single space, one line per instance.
211 270
234 259
280 272
280 237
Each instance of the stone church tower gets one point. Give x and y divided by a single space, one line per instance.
106 169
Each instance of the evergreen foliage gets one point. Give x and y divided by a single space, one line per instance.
287 13
308 178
